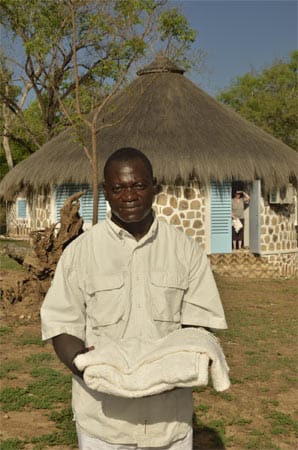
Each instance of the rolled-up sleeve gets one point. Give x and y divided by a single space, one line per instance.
63 309
201 303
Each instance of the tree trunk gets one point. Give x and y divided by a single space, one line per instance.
48 245
94 175
5 140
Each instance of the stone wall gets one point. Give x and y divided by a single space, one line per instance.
17 228
41 212
39 218
185 208
279 237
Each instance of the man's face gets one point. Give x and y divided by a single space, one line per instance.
130 191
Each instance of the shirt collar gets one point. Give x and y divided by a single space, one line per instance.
121 233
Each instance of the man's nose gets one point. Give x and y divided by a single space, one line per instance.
129 194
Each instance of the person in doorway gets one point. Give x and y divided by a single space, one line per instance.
120 279
240 201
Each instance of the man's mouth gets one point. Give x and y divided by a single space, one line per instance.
128 208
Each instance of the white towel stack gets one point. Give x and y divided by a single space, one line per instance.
136 368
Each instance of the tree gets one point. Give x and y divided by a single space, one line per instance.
170 25
78 54
108 33
268 98
14 142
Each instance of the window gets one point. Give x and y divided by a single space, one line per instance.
22 208
86 201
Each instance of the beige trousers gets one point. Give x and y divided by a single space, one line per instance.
90 443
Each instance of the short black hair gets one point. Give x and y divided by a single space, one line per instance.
125 154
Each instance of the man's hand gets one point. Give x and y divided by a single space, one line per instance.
67 347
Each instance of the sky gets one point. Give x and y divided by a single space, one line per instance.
238 35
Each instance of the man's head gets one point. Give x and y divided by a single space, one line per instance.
129 188
126 154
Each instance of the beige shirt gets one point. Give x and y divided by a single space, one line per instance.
109 284
238 207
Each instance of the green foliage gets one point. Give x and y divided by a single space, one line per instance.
7 263
172 24
7 367
29 339
12 444
269 99
64 422
282 423
50 388
13 398
5 331
39 358
110 36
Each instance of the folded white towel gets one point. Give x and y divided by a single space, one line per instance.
237 225
137 368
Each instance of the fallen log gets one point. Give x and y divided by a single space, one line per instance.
47 246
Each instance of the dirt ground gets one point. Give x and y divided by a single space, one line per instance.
241 411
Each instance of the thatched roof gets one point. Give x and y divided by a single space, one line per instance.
184 131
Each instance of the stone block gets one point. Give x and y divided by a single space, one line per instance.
195 204
189 193
190 232
162 219
173 202
197 224
190 214
183 205
175 220
162 199
167 211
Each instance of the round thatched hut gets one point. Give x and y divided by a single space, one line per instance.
200 151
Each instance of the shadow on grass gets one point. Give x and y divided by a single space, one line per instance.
206 438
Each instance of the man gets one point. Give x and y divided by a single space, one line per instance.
129 276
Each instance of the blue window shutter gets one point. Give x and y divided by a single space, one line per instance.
86 205
102 210
221 221
86 201
22 209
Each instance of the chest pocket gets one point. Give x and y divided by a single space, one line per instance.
105 305
167 293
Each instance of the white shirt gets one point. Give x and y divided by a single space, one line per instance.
109 284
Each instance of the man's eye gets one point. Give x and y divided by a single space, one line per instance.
116 189
140 186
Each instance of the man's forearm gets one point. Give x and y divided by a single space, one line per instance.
66 348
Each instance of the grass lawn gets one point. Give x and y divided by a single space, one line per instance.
6 262
259 411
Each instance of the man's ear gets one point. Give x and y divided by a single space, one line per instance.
155 187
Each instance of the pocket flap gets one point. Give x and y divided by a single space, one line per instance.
170 279
97 283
